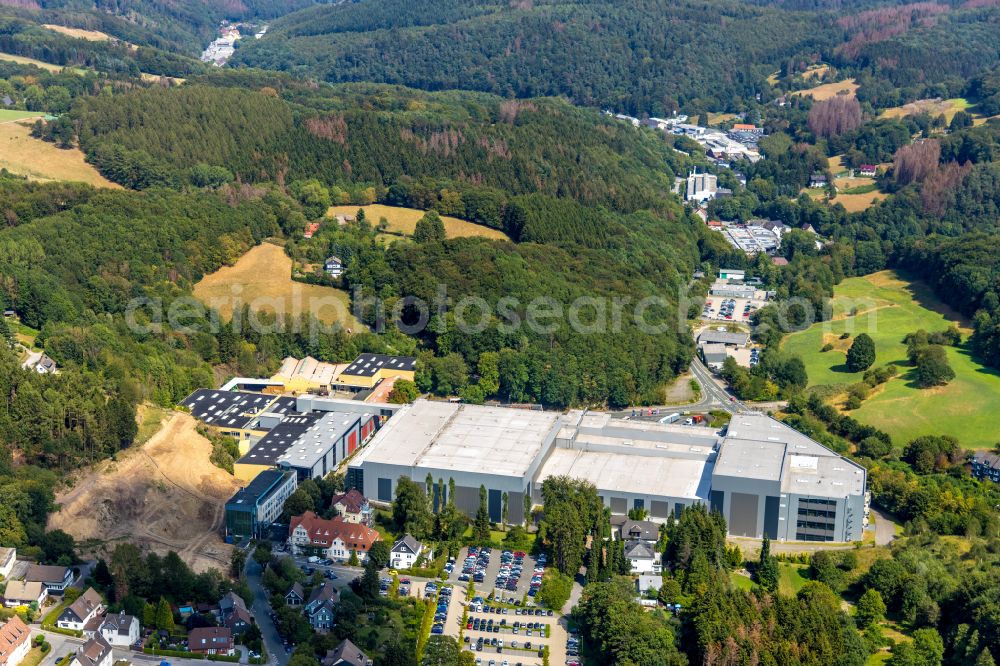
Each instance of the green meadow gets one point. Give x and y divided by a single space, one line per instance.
886 306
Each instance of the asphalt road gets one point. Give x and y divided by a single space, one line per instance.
261 611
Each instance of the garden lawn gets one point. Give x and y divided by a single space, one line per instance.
887 307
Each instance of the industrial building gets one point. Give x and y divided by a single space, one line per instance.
310 435
367 370
253 509
765 477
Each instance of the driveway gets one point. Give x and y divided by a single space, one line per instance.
885 528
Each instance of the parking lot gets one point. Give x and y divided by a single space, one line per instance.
718 308
502 633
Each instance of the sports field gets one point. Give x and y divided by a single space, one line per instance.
887 307
404 221
262 278
24 155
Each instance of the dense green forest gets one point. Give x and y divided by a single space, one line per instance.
700 56
608 54
182 26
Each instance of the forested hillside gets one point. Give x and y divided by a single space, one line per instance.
184 26
608 54
362 136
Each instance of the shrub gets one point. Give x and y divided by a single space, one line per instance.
827 347
555 590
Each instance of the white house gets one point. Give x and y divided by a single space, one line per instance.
76 616
55 579
334 267
406 551
14 641
23 593
8 557
95 652
643 557
121 630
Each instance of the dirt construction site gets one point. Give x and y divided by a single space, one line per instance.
161 496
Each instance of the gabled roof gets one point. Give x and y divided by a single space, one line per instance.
987 459
20 590
210 638
120 624
324 532
85 606
346 654
93 652
352 501
46 574
13 634
641 529
321 594
237 616
639 550
230 602
408 544
297 590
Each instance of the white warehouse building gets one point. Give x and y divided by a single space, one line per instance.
763 476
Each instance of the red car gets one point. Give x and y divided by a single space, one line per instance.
469 625
519 554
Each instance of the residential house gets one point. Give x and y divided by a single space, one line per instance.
311 228
779 261
211 640
353 507
55 579
321 607
295 596
643 557
40 363
15 641
346 654
121 630
817 180
868 170
95 652
333 266
8 557
986 466
233 613
631 530
335 538
406 551
24 593
86 607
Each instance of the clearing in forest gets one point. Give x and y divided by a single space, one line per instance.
24 155
404 221
78 33
262 278
828 90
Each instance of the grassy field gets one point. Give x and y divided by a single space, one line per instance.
41 160
828 90
264 275
887 307
10 115
853 203
78 33
404 221
934 107
719 118
790 578
21 60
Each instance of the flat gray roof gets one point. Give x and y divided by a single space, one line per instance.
680 478
459 437
760 447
